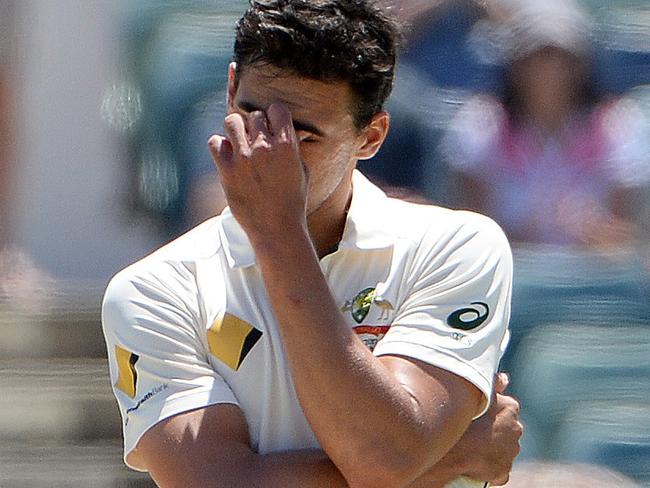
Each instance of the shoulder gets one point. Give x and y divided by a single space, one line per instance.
168 274
431 225
199 242
445 242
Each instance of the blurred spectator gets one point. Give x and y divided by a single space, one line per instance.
23 284
178 54
552 475
6 38
551 160
437 70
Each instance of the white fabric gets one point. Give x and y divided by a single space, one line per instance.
423 262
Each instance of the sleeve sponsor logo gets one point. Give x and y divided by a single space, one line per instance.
148 396
469 318
127 375
231 339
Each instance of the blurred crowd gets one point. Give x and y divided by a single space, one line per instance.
536 113
539 143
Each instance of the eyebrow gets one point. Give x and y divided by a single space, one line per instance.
298 125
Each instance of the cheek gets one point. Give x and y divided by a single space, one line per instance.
331 157
308 152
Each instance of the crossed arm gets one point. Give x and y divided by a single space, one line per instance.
209 447
413 414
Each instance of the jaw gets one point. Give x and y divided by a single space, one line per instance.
326 219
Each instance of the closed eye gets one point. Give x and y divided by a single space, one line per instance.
306 137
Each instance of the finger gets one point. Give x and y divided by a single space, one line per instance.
509 403
258 126
235 128
221 152
502 382
281 123
500 481
514 405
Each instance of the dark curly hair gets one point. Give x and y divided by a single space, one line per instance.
353 41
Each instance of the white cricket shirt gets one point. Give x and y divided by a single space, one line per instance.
191 324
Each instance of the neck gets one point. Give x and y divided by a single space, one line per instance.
327 223
551 116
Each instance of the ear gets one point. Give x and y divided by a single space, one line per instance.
232 87
373 135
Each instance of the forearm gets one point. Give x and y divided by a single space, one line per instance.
332 370
245 469
312 469
306 469
303 468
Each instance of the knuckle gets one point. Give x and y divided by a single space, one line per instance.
261 147
230 121
513 406
244 154
519 429
283 138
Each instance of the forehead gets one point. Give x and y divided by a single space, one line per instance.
311 100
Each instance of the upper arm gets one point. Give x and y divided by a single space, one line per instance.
438 394
455 313
206 447
158 362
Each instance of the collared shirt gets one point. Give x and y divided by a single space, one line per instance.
191 325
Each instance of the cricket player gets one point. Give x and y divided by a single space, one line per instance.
317 333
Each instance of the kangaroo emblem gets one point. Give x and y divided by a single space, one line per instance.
385 306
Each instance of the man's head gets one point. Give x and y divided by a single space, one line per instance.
350 41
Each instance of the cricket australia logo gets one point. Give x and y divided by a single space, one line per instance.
360 305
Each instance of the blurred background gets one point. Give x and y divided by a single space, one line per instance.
535 113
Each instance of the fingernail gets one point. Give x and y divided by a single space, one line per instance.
214 142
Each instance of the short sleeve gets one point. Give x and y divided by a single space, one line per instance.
157 359
456 311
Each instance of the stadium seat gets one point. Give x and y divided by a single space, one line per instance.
555 285
561 366
615 434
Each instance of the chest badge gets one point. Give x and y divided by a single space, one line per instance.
360 305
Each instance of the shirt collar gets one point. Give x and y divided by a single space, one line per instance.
364 226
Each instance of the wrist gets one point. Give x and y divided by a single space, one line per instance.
453 464
437 477
284 241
